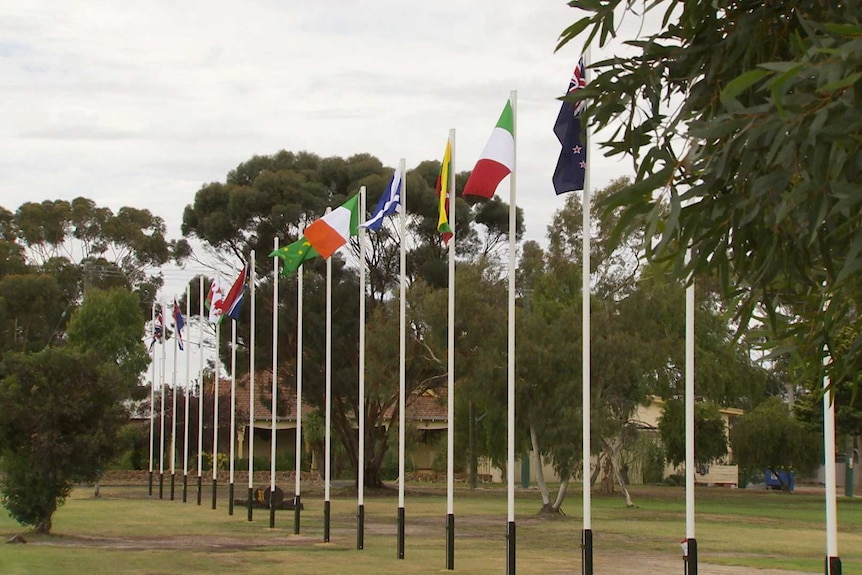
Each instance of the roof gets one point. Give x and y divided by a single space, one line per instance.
429 405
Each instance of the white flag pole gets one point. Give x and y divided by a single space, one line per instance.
833 561
232 414
586 385
174 408
513 213
274 385
360 457
450 375
402 360
186 414
162 410
691 542
152 398
200 385
297 499
215 409
250 499
327 450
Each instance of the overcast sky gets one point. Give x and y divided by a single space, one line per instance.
142 103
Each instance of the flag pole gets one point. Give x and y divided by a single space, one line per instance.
162 410
186 414
510 471
360 457
450 375
215 410
250 498
402 368
232 414
691 543
201 385
297 499
833 561
174 407
152 397
327 432
586 382
274 385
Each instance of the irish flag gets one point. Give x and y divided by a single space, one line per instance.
497 160
333 230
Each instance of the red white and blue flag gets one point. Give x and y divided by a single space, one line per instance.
179 323
232 303
157 331
571 167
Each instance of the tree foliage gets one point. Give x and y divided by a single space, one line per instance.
278 196
710 432
61 413
742 120
769 437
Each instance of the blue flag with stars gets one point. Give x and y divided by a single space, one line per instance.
572 164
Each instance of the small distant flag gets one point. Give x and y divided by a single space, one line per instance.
443 191
232 302
179 324
387 204
214 299
571 167
157 331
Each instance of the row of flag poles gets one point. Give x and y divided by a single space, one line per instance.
324 237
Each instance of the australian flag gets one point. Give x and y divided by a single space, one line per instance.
179 324
572 164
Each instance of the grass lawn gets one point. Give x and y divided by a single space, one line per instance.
126 532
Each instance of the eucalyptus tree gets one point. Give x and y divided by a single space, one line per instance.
742 122
278 196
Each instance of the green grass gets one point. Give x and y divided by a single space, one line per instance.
125 532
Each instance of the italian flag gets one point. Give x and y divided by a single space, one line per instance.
497 160
333 230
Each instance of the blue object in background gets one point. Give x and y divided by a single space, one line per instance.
773 482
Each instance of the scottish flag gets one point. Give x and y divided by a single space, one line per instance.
388 203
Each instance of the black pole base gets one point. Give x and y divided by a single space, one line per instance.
150 492
230 500
327 515
161 485
510 548
401 533
691 556
173 485
360 527
450 541
200 488
250 506
833 566
185 487
271 514
297 507
587 552
215 486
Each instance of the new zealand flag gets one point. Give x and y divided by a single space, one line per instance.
572 164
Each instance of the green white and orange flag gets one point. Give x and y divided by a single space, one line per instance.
333 230
443 226
497 160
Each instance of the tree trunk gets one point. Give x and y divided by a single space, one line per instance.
561 495
43 527
614 460
540 474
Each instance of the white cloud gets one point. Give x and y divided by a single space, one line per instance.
141 104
